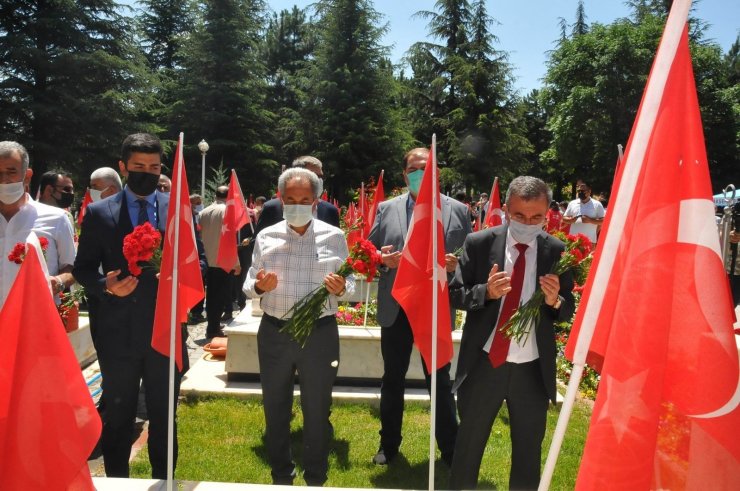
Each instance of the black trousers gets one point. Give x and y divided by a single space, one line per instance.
121 379
218 297
279 358
479 399
396 343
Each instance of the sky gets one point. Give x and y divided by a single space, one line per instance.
527 29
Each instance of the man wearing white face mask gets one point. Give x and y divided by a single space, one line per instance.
290 260
104 182
500 268
20 215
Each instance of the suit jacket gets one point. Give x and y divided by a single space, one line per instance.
468 291
123 324
390 228
272 213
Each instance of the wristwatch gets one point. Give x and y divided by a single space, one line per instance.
341 293
558 303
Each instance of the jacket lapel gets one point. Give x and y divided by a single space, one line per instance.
543 255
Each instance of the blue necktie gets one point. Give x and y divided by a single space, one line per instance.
143 215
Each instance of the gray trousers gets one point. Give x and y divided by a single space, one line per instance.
279 358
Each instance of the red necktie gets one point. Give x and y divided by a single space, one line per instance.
500 346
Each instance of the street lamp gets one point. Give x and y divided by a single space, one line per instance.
203 147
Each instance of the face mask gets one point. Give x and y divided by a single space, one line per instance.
198 208
297 215
524 234
96 195
11 192
581 195
66 200
415 181
142 183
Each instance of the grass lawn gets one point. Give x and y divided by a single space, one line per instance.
221 439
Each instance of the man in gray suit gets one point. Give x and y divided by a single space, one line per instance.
396 340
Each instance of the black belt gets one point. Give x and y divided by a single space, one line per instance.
281 322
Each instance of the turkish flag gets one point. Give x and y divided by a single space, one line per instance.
236 216
48 422
179 256
85 201
414 285
378 197
666 414
494 214
351 219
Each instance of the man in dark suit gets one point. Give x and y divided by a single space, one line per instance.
501 267
125 308
396 338
272 211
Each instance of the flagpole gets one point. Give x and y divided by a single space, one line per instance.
435 299
173 323
619 212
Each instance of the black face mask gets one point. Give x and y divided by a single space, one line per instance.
66 200
581 195
142 183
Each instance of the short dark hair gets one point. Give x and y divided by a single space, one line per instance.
140 142
528 188
222 192
50 178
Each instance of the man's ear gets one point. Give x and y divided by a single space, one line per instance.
122 168
27 177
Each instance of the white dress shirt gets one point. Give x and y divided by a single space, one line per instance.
301 263
527 351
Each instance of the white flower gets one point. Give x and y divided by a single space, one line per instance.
335 364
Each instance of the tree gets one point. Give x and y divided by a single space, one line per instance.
350 121
220 91
72 83
164 24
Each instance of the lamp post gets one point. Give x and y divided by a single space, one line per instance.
203 147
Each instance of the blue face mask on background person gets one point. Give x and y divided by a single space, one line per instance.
415 181
297 215
524 234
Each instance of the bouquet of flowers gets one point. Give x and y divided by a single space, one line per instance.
69 308
363 259
577 250
141 248
18 253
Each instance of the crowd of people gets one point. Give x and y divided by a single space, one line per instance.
292 245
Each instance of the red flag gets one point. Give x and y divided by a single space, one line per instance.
48 422
189 288
235 217
85 201
324 195
414 286
351 219
494 215
378 197
666 415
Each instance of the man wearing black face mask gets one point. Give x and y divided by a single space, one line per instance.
585 214
56 189
499 268
123 340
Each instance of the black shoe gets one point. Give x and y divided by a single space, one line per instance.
196 319
383 457
227 318
216 334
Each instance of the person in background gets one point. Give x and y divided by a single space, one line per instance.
56 189
104 182
553 219
584 214
165 184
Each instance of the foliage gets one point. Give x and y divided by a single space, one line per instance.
236 452
219 177
354 315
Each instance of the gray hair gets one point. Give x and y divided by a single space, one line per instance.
8 148
109 175
299 173
306 160
528 188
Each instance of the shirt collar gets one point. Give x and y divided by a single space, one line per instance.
132 199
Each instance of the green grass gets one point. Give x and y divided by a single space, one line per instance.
221 440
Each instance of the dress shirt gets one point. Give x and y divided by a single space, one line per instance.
133 208
527 351
300 261
591 209
211 219
45 221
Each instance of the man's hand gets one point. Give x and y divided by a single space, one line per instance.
120 288
334 283
734 237
390 259
498 284
450 262
550 284
570 220
237 270
266 282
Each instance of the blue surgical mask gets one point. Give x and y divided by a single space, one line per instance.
524 234
415 181
297 215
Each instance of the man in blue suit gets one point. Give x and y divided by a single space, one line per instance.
125 308
396 339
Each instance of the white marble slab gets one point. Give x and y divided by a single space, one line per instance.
82 342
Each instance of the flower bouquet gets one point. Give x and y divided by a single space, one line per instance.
18 253
577 250
141 249
69 308
363 259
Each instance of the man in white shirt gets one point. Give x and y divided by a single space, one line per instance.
20 215
291 259
585 214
